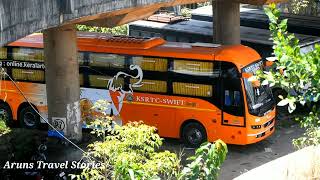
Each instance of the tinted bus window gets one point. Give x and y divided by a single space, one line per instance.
106 60
80 58
151 64
102 81
28 54
151 86
191 89
193 67
3 53
81 81
28 75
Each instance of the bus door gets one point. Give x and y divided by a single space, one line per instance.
232 102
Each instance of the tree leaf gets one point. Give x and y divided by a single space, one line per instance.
283 102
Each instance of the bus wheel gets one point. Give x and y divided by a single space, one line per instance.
29 118
194 134
6 114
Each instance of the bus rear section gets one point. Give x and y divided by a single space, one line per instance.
190 91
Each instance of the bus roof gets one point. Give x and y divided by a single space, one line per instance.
240 55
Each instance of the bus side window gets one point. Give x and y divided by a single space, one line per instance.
192 89
106 60
193 67
183 39
134 33
151 86
150 63
3 53
81 58
232 98
28 54
101 81
171 38
28 75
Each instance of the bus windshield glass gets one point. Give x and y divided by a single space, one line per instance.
260 99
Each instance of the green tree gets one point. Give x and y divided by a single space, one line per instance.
118 30
295 72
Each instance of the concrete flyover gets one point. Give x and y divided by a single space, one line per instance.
57 19
19 18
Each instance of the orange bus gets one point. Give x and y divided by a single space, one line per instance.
192 91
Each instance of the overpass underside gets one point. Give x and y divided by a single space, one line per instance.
19 18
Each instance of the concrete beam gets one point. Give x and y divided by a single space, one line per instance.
118 18
227 22
20 18
62 79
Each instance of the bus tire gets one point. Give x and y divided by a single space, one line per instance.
29 118
6 114
193 134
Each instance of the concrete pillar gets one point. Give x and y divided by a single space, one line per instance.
226 22
62 80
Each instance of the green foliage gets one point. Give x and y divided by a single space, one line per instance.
298 5
131 152
127 152
311 137
295 72
206 163
204 4
3 127
186 12
119 30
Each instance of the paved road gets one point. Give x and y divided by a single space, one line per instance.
244 158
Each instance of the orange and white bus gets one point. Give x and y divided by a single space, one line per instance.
192 91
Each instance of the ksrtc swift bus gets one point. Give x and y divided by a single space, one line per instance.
191 91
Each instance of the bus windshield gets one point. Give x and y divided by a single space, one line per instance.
260 99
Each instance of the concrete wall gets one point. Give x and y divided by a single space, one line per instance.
300 165
19 18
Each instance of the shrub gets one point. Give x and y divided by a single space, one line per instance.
3 127
295 72
132 152
127 152
206 162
